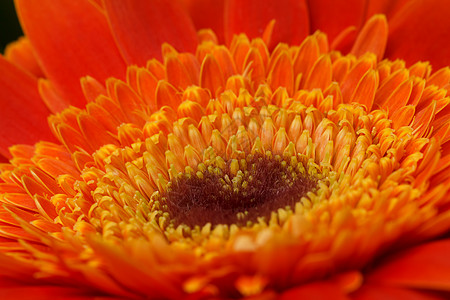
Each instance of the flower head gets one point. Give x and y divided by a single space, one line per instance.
254 161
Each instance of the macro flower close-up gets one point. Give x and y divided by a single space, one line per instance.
226 149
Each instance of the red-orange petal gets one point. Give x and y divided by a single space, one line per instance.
333 17
252 17
207 14
386 7
22 54
372 38
50 96
426 266
44 292
364 92
141 27
420 31
23 118
167 94
65 35
211 75
375 292
320 75
315 290
91 88
282 74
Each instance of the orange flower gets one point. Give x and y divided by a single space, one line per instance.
261 159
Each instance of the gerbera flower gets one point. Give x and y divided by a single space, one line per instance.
226 149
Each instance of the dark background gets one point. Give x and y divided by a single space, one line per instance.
9 25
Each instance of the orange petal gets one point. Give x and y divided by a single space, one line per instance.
65 35
376 292
211 75
426 266
94 132
22 54
307 55
333 17
420 31
423 119
50 96
167 94
352 79
402 116
399 96
252 17
23 114
177 73
72 139
389 85
345 40
20 200
372 38
113 108
349 281
364 92
255 63
141 27
207 14
386 7
282 73
440 78
91 88
315 290
44 292
321 74
147 83
128 99
130 274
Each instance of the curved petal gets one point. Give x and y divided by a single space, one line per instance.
421 31
140 27
252 17
316 290
23 117
44 292
21 53
426 266
332 17
385 7
375 292
372 37
71 39
207 14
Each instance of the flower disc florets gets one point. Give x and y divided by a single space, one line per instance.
238 191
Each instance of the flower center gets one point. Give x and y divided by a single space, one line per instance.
237 191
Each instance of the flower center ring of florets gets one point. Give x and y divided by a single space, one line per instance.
236 176
244 185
